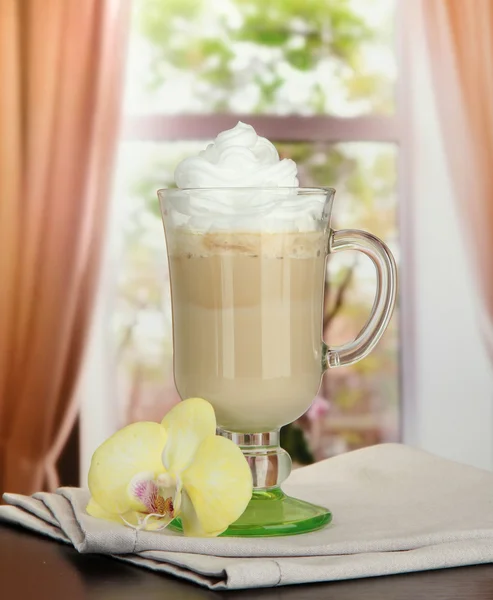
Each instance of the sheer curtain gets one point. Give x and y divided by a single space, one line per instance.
60 88
460 42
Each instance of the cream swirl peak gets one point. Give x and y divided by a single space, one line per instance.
238 157
239 183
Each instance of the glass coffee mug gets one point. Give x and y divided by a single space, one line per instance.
247 269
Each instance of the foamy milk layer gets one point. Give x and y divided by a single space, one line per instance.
258 188
267 245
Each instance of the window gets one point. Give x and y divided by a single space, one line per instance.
316 77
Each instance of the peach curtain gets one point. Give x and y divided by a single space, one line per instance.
460 40
60 74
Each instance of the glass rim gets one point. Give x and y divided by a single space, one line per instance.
304 190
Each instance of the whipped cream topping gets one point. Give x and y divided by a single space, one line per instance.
237 157
267 198
268 210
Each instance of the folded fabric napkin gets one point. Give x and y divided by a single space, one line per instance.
396 510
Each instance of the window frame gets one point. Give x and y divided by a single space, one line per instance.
291 128
395 128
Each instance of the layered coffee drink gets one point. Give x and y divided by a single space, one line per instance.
247 249
247 275
247 323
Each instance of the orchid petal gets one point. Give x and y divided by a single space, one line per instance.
134 449
219 485
192 527
187 424
93 509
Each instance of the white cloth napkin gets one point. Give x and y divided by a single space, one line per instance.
396 510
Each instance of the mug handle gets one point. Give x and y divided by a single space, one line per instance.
383 306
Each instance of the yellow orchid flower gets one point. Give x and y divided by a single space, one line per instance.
147 474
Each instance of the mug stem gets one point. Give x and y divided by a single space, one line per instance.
269 464
271 512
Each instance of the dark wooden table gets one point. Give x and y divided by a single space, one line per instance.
32 567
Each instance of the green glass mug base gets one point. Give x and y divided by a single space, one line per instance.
272 513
